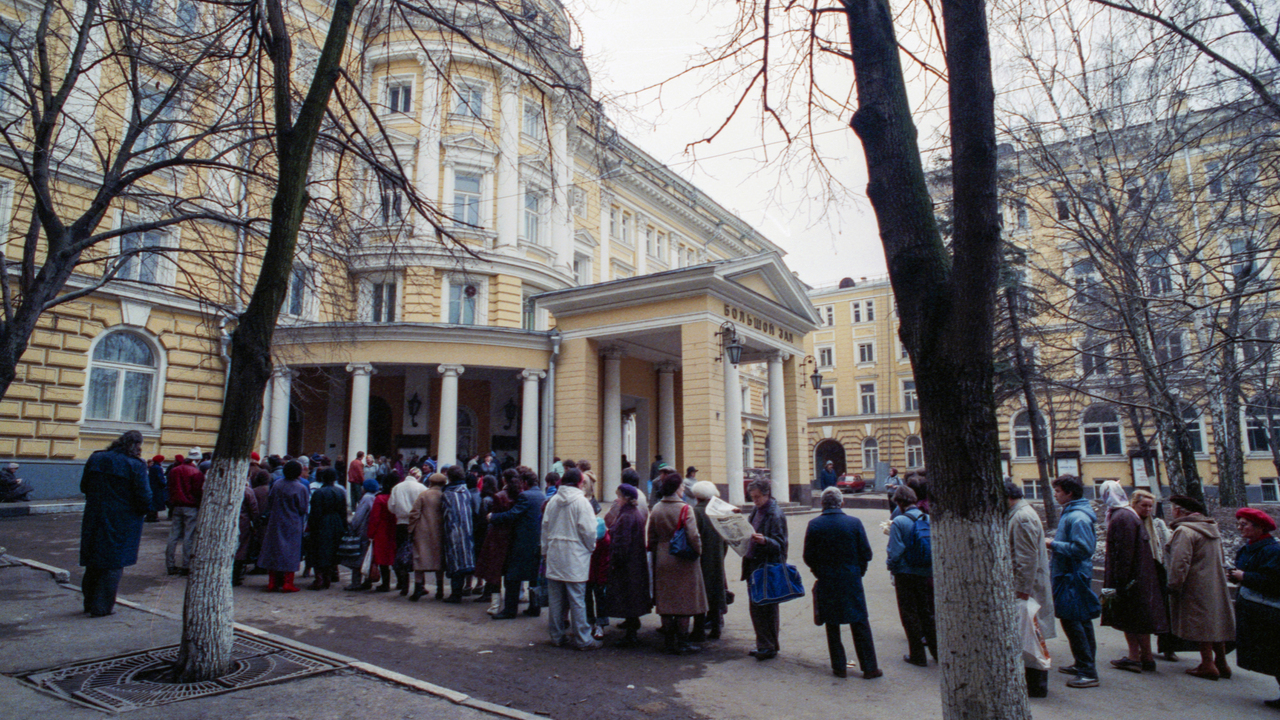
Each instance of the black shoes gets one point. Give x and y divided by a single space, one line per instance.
912 661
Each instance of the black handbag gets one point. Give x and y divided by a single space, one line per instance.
349 547
679 545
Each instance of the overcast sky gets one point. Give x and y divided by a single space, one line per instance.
633 44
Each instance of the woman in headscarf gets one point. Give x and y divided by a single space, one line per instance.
1137 605
1112 496
426 528
360 528
1258 605
627 595
286 518
491 561
708 625
327 523
382 530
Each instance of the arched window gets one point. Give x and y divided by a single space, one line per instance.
1022 447
1101 427
122 379
915 452
870 453
748 449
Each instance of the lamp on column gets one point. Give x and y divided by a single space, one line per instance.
816 377
733 348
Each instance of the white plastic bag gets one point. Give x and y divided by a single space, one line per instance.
1035 653
367 561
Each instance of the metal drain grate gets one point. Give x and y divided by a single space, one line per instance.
130 682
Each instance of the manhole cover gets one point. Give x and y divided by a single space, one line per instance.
134 681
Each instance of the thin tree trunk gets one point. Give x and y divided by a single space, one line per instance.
947 307
1039 443
209 612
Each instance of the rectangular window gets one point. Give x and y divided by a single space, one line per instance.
141 265
1024 217
866 352
651 241
1257 344
533 124
1213 178
1270 490
902 352
1159 274
391 203
626 228
1169 351
827 357
910 401
384 302
867 397
871 310
1031 489
827 315
855 312
462 304
1256 432
466 199
1162 192
1192 418
662 247
400 96
582 269
827 396
1064 209
469 100
1243 267
157 117
1093 361
615 226
529 317
297 290
532 218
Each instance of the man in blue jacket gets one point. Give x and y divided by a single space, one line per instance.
1071 573
911 565
525 554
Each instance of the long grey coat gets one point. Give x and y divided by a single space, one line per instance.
1031 562
286 519
677 584
1199 602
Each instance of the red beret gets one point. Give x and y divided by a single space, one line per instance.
157 459
178 459
254 456
1257 517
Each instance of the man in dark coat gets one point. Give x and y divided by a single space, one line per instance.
1132 573
768 545
12 488
827 476
117 496
836 549
155 475
525 554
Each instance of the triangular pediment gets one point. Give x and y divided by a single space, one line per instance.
757 283
584 237
470 141
767 276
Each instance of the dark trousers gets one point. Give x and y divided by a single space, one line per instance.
100 586
915 607
1084 648
764 618
863 646
402 575
456 583
511 601
595 605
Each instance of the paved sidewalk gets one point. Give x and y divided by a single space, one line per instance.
44 627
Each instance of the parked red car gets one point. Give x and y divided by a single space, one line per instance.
851 484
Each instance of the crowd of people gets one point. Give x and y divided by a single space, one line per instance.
507 537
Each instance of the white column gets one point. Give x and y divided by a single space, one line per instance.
562 162
358 430
427 172
529 418
509 197
264 428
611 462
446 192
733 431
281 389
667 413
778 466
448 445
606 242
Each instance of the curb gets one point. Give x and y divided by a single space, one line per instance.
63 578
39 508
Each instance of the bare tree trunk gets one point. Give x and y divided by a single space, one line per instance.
209 613
947 307
1039 443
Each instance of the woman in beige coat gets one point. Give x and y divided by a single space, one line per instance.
1200 603
678 592
426 527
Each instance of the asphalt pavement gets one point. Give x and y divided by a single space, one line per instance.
512 664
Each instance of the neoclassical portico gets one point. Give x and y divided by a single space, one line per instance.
651 350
